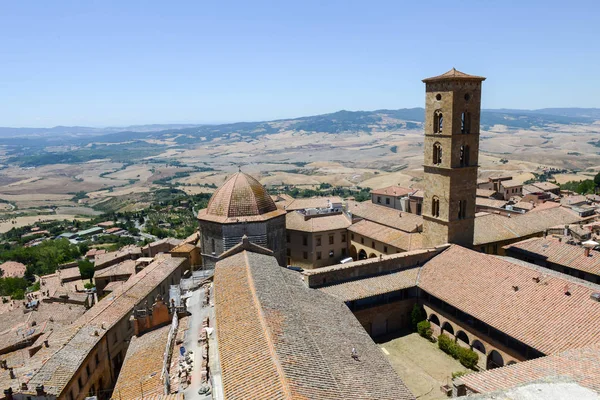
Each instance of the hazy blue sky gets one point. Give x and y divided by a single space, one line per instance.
136 62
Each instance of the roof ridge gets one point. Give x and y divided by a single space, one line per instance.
266 330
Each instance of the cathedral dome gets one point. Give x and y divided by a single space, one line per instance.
240 198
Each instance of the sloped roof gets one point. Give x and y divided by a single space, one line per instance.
312 202
384 234
296 342
581 365
12 269
297 221
561 253
454 74
538 314
126 267
396 191
404 221
241 197
545 186
494 227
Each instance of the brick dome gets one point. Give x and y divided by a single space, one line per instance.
240 196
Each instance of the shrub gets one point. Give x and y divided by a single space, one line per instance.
458 374
417 315
424 329
467 357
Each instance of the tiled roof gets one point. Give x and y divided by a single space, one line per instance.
454 74
170 241
531 189
396 191
296 221
492 203
485 193
69 273
524 205
386 216
545 186
581 365
570 200
183 248
126 267
538 314
560 253
241 197
101 260
13 269
545 206
140 374
279 339
387 235
313 202
362 288
418 194
75 342
511 183
493 227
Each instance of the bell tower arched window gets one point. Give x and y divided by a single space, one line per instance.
464 156
438 121
462 209
435 207
465 122
437 153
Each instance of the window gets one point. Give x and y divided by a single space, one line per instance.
379 199
462 209
305 240
372 244
213 245
331 254
287 238
318 255
305 255
318 241
465 122
79 384
362 240
87 371
464 156
352 236
438 121
437 153
343 238
385 249
289 252
343 252
435 207
331 239
387 200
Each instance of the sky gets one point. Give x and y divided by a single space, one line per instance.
117 63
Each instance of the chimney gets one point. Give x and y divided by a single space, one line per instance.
12 373
587 251
8 394
46 343
39 390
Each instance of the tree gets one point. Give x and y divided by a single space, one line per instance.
597 179
86 269
417 315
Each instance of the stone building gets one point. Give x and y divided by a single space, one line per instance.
241 206
452 111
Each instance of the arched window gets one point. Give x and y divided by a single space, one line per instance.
462 209
213 245
437 153
435 207
466 155
438 121
465 122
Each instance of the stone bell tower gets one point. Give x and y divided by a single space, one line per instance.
452 110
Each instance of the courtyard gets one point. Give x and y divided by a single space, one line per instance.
421 364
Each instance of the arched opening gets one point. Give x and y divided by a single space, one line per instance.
362 255
462 336
448 328
462 209
464 156
478 346
435 207
434 319
511 362
465 122
372 255
438 121
437 153
494 360
353 253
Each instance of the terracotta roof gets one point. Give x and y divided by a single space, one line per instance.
573 200
511 183
279 339
454 74
545 186
581 365
126 267
170 241
531 189
241 197
183 248
69 273
312 202
485 193
540 314
107 259
363 288
386 216
396 191
296 221
113 230
484 202
524 205
418 194
141 373
387 235
546 206
494 227
77 340
13 269
560 253
112 286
